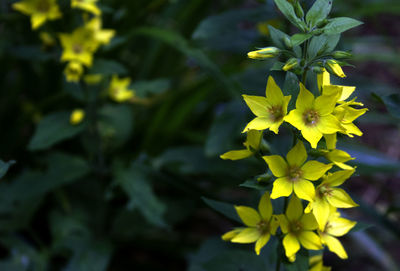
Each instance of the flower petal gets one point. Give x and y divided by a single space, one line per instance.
329 124
283 223
310 240
295 118
338 177
236 155
312 135
261 242
297 155
248 215
273 92
265 207
325 104
304 189
231 234
331 140
321 212
257 104
291 245
313 170
305 99
246 236
254 139
340 199
339 226
282 187
334 245
277 165
259 123
295 209
308 222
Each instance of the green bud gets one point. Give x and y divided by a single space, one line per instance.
288 42
341 54
298 9
322 23
264 53
317 69
291 64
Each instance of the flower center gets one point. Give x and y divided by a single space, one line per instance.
77 48
324 191
43 6
295 173
311 117
262 227
296 227
275 113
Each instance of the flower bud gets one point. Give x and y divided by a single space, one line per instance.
291 64
341 54
322 23
298 9
333 67
264 53
288 42
77 116
317 69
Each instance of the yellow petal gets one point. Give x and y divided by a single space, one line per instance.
295 209
332 90
305 99
277 165
37 20
325 104
304 189
323 79
248 215
346 92
313 170
246 236
329 124
282 187
261 242
338 156
236 155
254 138
309 222
335 246
291 245
257 104
297 155
275 126
259 123
265 207
340 226
273 92
331 140
77 116
351 129
283 223
312 135
338 177
321 212
231 234
340 199
310 240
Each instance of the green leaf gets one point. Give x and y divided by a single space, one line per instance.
287 9
4 166
278 37
136 183
236 260
107 67
93 257
53 129
318 12
392 103
226 209
298 39
147 88
322 44
301 263
361 226
339 25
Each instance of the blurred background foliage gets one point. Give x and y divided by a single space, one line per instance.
123 190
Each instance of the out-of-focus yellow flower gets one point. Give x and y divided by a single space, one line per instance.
298 229
264 53
47 39
86 5
93 31
118 89
252 145
260 224
77 116
73 71
39 10
76 47
92 79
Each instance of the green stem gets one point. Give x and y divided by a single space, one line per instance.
278 264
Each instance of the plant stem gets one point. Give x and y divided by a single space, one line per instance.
278 264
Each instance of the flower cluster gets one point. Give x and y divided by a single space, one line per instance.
310 175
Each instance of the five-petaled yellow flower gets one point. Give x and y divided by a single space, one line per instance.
295 173
335 226
118 89
270 110
77 48
313 116
86 5
327 194
252 145
39 10
298 229
260 225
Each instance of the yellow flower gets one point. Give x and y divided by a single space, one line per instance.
39 10
346 115
77 116
86 5
295 173
335 226
76 48
313 116
260 225
338 157
298 229
327 194
317 264
270 110
252 145
118 89
73 71
334 67
264 53
93 31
